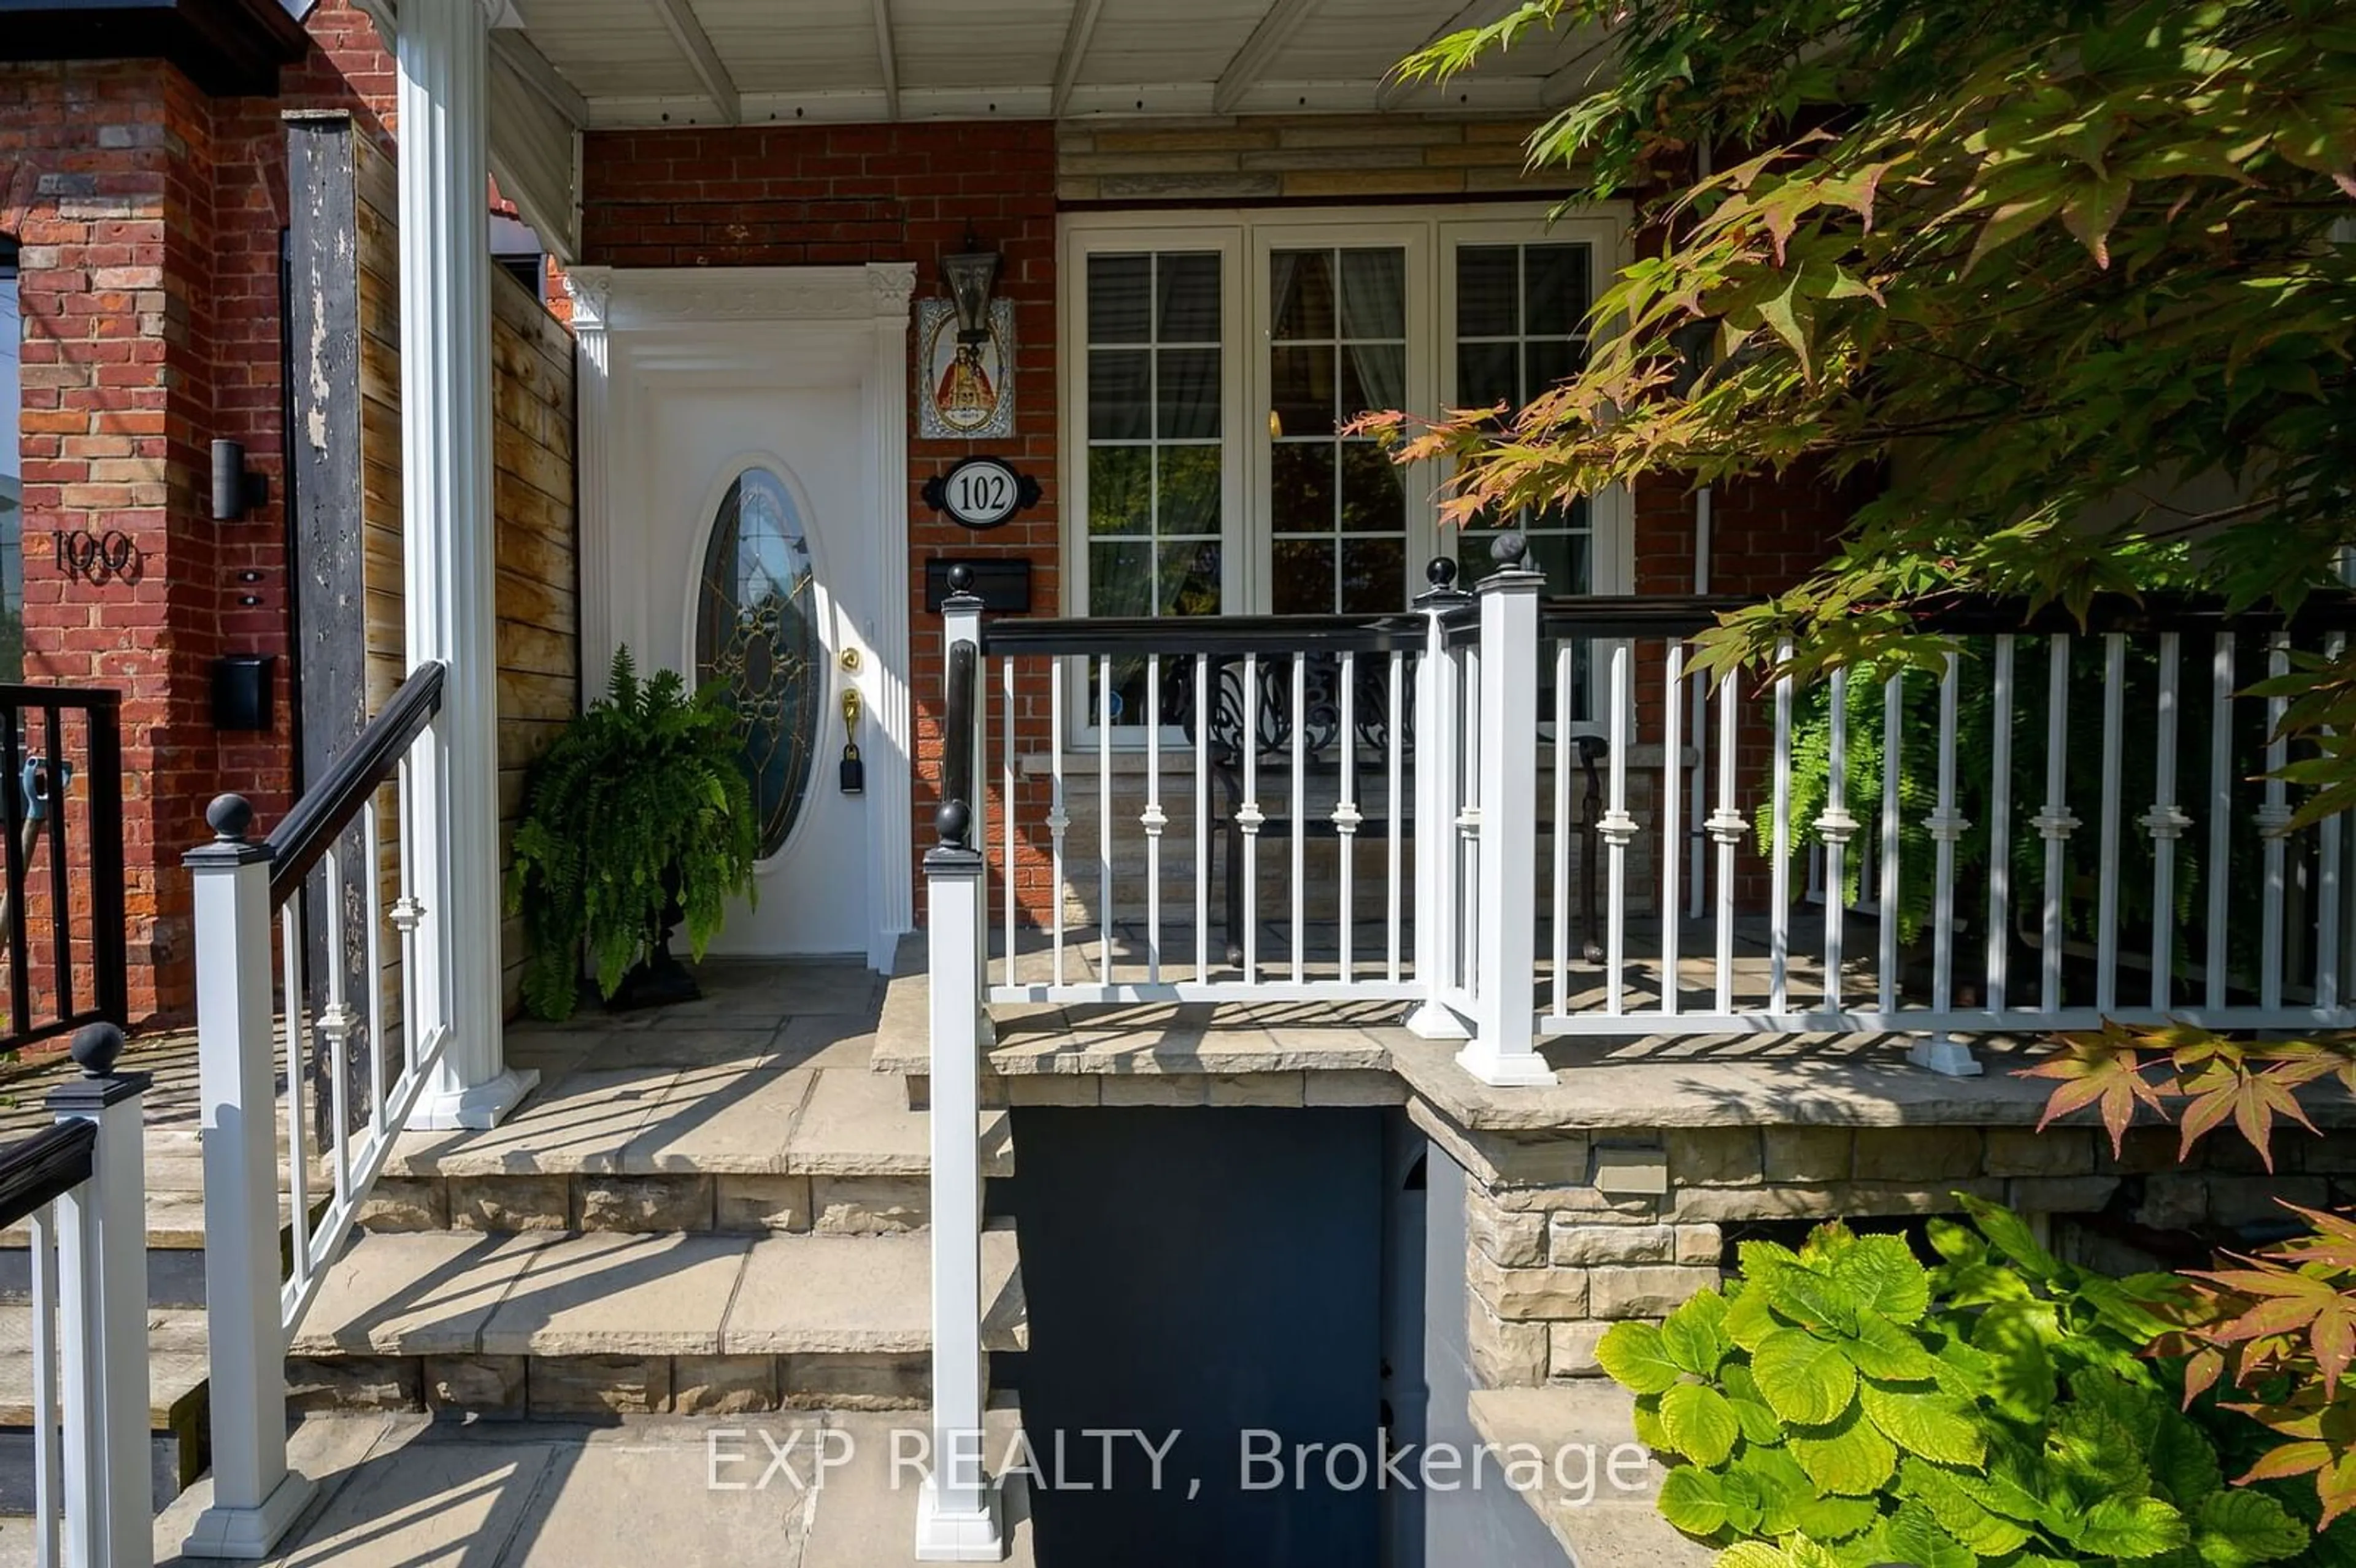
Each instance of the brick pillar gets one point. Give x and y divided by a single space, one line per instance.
105 184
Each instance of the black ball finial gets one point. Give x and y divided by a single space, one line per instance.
1509 550
97 1048
1442 573
230 815
961 578
952 820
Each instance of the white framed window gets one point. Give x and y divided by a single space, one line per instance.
1213 358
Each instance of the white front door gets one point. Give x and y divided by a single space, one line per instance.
746 465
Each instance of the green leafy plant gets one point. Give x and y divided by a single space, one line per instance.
641 807
1842 1405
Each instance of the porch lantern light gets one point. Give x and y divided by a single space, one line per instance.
971 274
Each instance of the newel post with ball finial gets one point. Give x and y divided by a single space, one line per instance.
957 1509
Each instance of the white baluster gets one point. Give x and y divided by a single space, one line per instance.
2327 886
1779 868
2000 828
298 1118
1943 1053
48 1437
1562 826
2221 813
1726 828
1299 726
2106 919
372 839
1248 820
1059 819
1835 828
1672 825
338 1023
1618 830
1346 816
1152 819
1468 828
1202 717
2166 822
2274 824
1007 788
1394 803
1886 874
1104 818
2055 823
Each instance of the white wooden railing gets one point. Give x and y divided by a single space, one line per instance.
261 1037
81 1189
2086 821
2052 828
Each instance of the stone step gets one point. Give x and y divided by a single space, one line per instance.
598 1324
731 1147
176 1407
397 1491
1615 1522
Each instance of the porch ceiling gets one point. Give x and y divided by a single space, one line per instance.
606 63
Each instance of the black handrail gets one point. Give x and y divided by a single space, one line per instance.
1137 635
40 1170
306 833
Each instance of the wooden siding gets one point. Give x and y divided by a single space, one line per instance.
538 527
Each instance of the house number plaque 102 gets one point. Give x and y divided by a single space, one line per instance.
980 492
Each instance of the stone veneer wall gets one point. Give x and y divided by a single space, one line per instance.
1554 1259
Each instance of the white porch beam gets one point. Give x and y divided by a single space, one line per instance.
1260 51
510 49
678 16
534 141
1472 14
1078 36
449 566
887 55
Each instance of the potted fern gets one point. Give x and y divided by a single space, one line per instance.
639 818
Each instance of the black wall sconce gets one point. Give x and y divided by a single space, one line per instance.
972 273
236 489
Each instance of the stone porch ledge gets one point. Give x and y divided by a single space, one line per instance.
1356 1054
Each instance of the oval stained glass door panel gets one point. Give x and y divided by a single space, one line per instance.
756 636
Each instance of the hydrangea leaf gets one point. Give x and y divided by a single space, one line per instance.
1804 1379
1700 1423
1637 1357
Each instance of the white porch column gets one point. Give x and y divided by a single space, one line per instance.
1503 1051
450 567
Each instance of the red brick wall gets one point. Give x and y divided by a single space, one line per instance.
148 217
790 196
